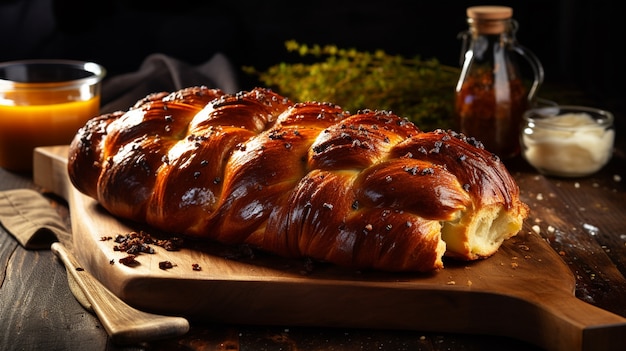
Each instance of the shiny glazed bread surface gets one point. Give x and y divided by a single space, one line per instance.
366 190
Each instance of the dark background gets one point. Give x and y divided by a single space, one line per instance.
580 43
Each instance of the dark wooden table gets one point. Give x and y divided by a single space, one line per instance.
583 219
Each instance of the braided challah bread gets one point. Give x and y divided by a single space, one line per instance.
366 190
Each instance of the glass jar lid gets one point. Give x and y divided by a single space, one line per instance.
489 19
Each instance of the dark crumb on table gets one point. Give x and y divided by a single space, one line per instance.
196 267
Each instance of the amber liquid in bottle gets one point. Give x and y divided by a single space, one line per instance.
489 107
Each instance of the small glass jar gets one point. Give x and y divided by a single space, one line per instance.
44 102
567 141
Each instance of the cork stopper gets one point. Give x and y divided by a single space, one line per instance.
490 19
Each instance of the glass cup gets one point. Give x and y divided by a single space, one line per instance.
567 141
42 103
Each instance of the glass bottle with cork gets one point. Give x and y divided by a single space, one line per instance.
491 95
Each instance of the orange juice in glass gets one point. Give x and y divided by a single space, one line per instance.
44 102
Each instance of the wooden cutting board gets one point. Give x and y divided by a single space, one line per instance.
524 291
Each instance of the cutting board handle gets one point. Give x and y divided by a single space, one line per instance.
560 323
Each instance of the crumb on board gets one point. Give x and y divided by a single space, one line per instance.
166 265
129 260
135 243
140 242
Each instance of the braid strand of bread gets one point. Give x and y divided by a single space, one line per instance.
368 190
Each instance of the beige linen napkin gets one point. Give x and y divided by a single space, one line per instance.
29 217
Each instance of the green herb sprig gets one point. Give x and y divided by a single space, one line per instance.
420 90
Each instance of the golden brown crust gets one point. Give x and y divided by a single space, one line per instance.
368 190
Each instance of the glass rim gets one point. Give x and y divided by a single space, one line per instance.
538 115
95 74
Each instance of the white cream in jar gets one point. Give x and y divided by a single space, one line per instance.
567 141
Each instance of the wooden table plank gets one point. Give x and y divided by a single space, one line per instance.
37 291
584 220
